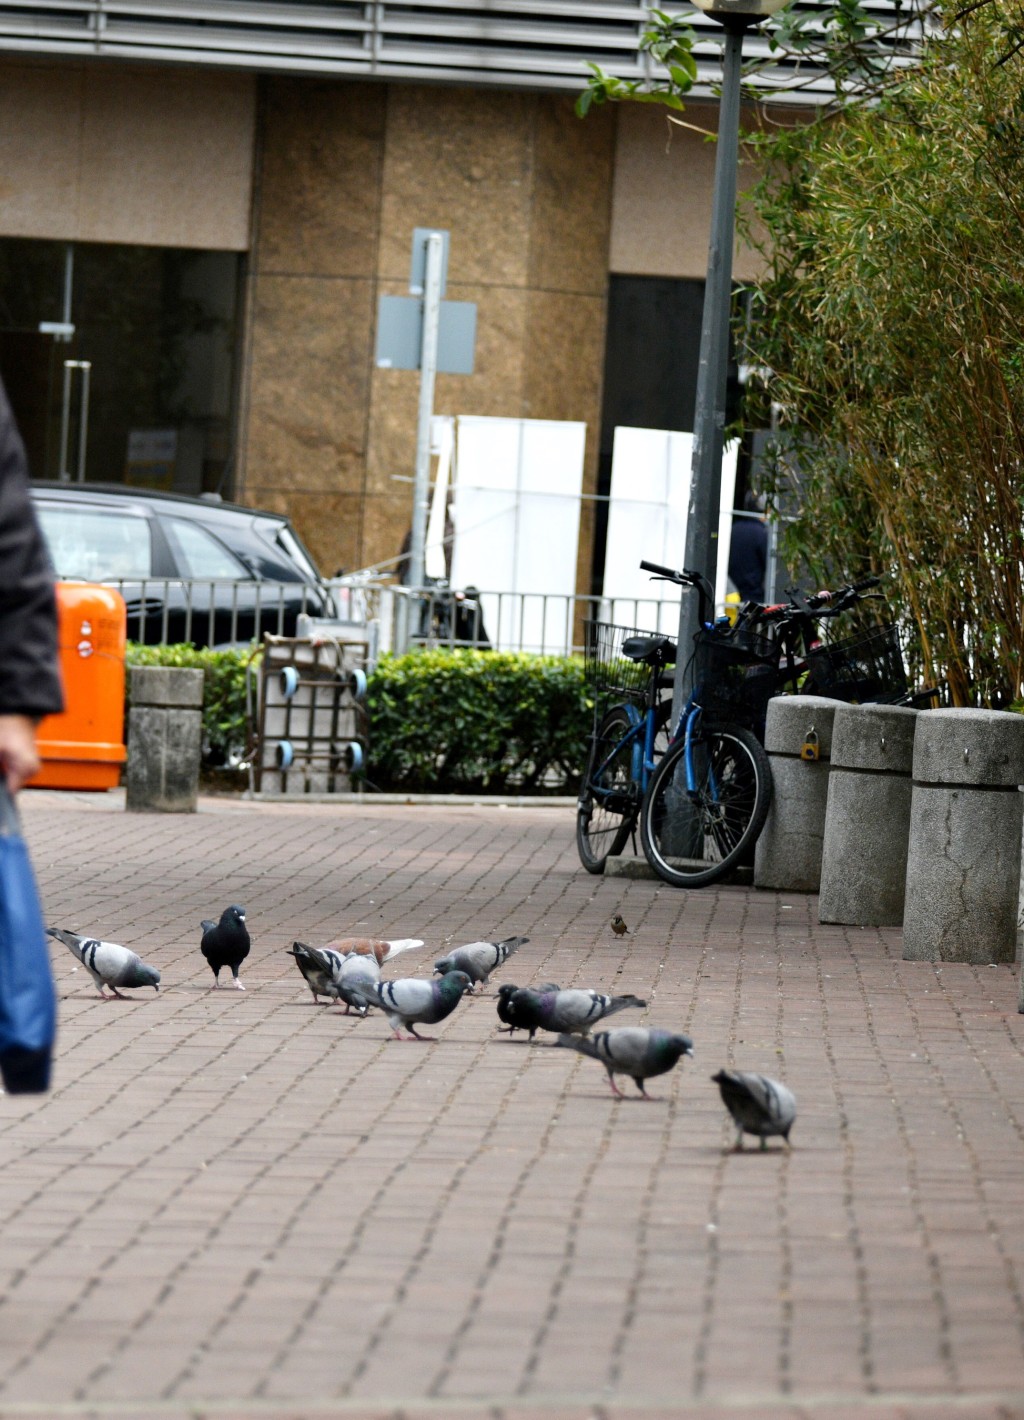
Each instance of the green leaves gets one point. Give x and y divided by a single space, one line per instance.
225 730
670 43
890 319
477 722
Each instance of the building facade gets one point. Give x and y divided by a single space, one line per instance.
197 221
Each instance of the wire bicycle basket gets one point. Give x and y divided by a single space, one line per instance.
735 672
867 668
608 672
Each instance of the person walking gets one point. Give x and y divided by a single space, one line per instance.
748 550
29 678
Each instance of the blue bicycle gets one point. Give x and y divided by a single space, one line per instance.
701 794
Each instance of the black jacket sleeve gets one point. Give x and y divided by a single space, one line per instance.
29 680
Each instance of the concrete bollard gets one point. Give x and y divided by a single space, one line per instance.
963 864
788 852
867 818
165 727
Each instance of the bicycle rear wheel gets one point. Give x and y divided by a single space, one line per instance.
691 840
609 797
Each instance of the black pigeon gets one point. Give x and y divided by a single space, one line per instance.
758 1105
505 993
571 1012
226 943
632 1051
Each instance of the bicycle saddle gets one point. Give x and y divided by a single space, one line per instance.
652 650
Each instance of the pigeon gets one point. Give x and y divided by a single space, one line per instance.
505 992
108 964
758 1105
633 1051
315 970
573 1012
618 926
333 974
226 943
479 959
411 1000
372 946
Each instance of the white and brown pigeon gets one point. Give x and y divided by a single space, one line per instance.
373 946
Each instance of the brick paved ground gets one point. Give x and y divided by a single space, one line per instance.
239 1205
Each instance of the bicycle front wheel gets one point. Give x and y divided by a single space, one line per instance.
692 838
608 800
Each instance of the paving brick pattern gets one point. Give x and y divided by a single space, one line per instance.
239 1206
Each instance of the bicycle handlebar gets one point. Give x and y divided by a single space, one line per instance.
685 578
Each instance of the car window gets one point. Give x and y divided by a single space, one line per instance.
96 545
201 555
293 547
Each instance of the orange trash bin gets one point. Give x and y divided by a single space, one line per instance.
83 748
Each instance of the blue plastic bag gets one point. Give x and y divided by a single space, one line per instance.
28 1001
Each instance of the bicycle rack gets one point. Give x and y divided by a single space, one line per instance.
311 720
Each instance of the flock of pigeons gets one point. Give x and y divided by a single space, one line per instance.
349 970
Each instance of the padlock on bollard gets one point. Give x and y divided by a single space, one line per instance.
810 749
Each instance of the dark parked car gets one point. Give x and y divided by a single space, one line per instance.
190 569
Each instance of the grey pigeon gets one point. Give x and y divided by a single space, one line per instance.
411 1001
109 964
573 1012
226 943
632 1051
479 959
505 993
757 1104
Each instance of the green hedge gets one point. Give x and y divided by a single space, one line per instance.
225 732
438 721
445 721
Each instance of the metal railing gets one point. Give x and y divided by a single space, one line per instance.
205 612
537 622
213 612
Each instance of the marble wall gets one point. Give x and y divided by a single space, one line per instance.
112 153
345 171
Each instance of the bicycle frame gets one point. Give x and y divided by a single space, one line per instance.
641 741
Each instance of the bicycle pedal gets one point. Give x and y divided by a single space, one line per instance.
810 749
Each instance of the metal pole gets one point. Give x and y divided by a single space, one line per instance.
428 371
65 423
712 372
83 419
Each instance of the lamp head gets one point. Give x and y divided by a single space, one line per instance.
739 13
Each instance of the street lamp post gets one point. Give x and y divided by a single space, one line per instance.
735 16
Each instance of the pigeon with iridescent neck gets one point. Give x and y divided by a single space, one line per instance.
633 1051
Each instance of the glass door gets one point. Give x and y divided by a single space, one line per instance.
119 361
